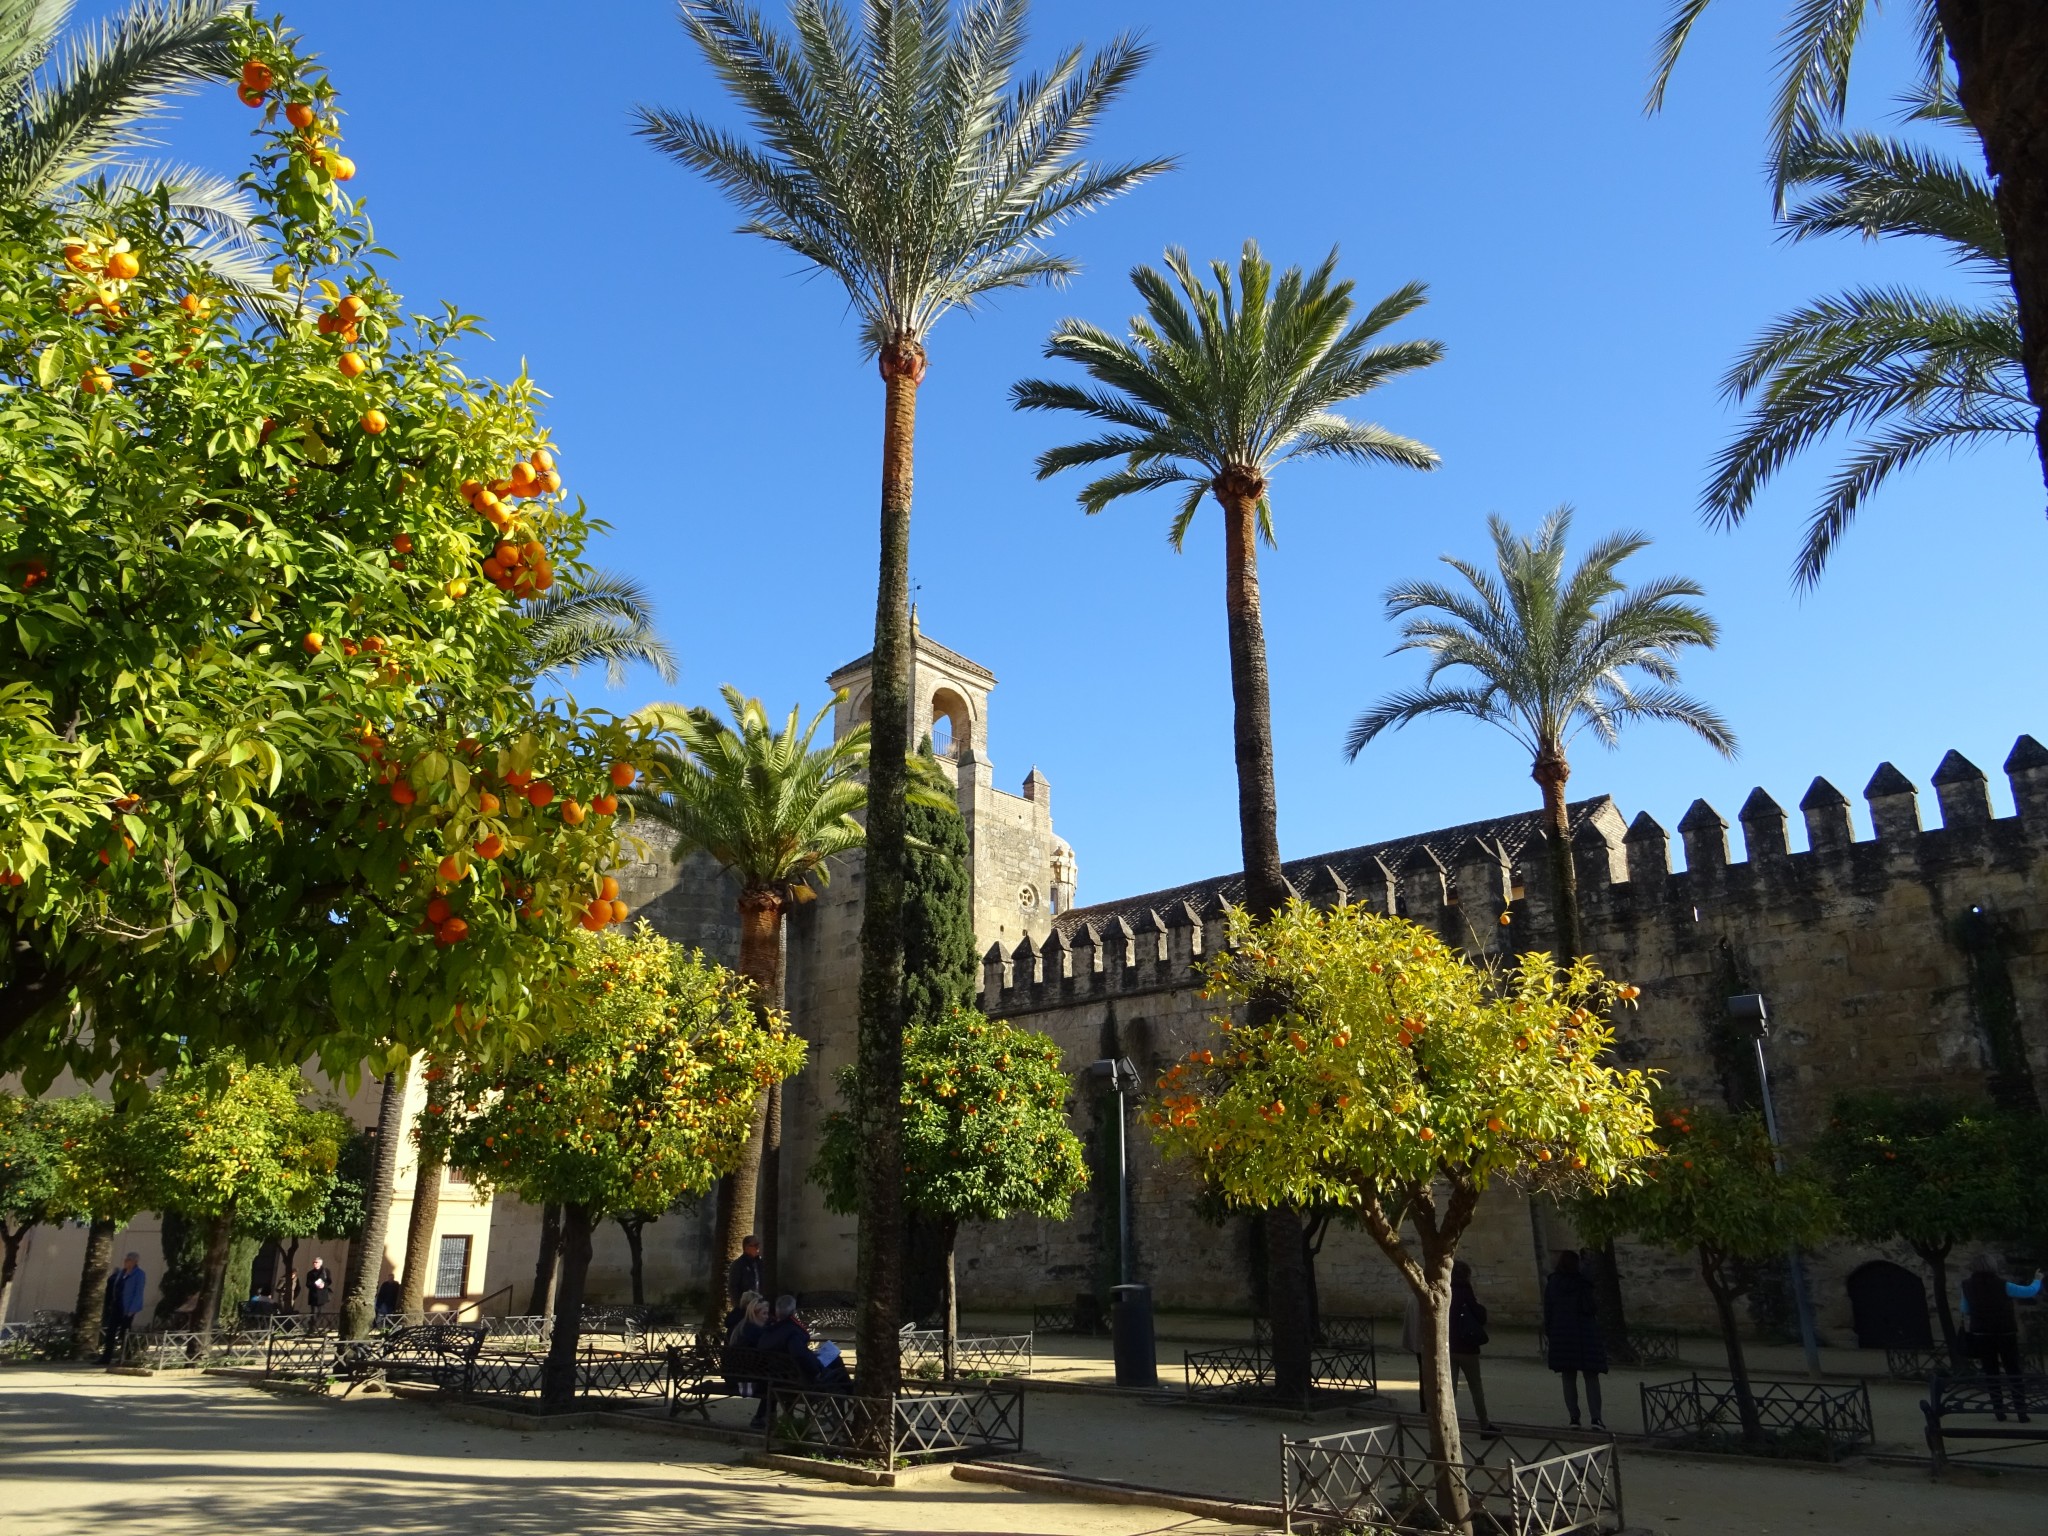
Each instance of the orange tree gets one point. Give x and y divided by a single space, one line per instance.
985 1135
222 1141
274 782
1714 1188
1396 1081
646 1097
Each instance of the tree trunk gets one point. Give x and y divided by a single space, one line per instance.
1440 1397
631 1226
558 1372
1313 1231
419 1234
1731 1341
366 1253
220 1234
1936 1260
770 1218
1551 772
878 1263
761 961
1258 830
89 1313
288 1288
10 1254
949 1306
2000 48
542 1301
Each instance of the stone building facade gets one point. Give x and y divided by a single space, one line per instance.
1915 959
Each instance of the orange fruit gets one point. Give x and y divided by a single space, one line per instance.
247 97
623 775
469 489
490 847
402 543
312 642
192 304
351 365
539 793
543 578
604 805
402 793
96 381
123 265
532 552
493 572
300 114
618 911
349 307
608 889
374 421
549 483
449 869
522 478
341 168
454 931
572 814
542 460
438 911
458 589
256 75
599 912
140 364
506 553
486 803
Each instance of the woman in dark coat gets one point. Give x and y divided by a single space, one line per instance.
1571 1325
1468 1337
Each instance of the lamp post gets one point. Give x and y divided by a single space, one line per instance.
1131 1336
1121 1076
1753 1019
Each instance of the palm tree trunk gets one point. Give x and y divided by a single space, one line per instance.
770 1219
558 1372
542 1300
88 1314
419 1233
1551 772
1258 827
878 1266
366 1253
761 963
2000 48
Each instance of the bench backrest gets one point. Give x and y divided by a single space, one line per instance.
744 1364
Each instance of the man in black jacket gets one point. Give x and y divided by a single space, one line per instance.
745 1274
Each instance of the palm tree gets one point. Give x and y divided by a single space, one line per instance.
1213 390
72 110
773 809
1546 655
1911 371
596 617
899 154
1994 49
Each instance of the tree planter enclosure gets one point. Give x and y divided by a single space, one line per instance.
924 1424
1383 1479
1834 1420
1247 1372
1355 1332
974 1354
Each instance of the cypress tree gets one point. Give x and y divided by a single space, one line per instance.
940 963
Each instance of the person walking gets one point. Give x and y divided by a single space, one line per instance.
1468 1336
123 1301
745 1274
319 1282
1571 1324
1991 1329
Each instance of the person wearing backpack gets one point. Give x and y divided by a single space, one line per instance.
1468 1337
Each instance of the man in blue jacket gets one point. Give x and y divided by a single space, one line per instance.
124 1301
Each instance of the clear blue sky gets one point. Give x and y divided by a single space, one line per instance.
1591 273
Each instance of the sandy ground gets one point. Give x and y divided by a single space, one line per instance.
180 1456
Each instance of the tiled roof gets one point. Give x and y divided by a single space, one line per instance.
1356 867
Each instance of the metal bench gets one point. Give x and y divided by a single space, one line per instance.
1997 1408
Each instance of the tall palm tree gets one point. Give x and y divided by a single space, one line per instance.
1989 54
772 808
1212 390
597 617
898 152
1545 654
72 110
1911 371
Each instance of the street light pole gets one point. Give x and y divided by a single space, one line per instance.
1753 1018
1122 1074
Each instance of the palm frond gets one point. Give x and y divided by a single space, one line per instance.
596 617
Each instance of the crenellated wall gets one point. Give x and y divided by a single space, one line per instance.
1912 960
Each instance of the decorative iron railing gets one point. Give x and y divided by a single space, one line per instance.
1239 1368
829 1314
1332 1332
923 1425
1836 1419
45 1335
974 1354
1986 1410
1383 1479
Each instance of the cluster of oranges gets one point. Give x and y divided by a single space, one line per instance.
257 82
521 569
533 475
604 908
341 322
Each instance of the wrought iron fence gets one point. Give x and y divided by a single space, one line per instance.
299 1356
1987 1409
1335 1332
173 1349
974 1354
829 1314
923 1425
1237 1368
46 1335
1835 1418
1383 1479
